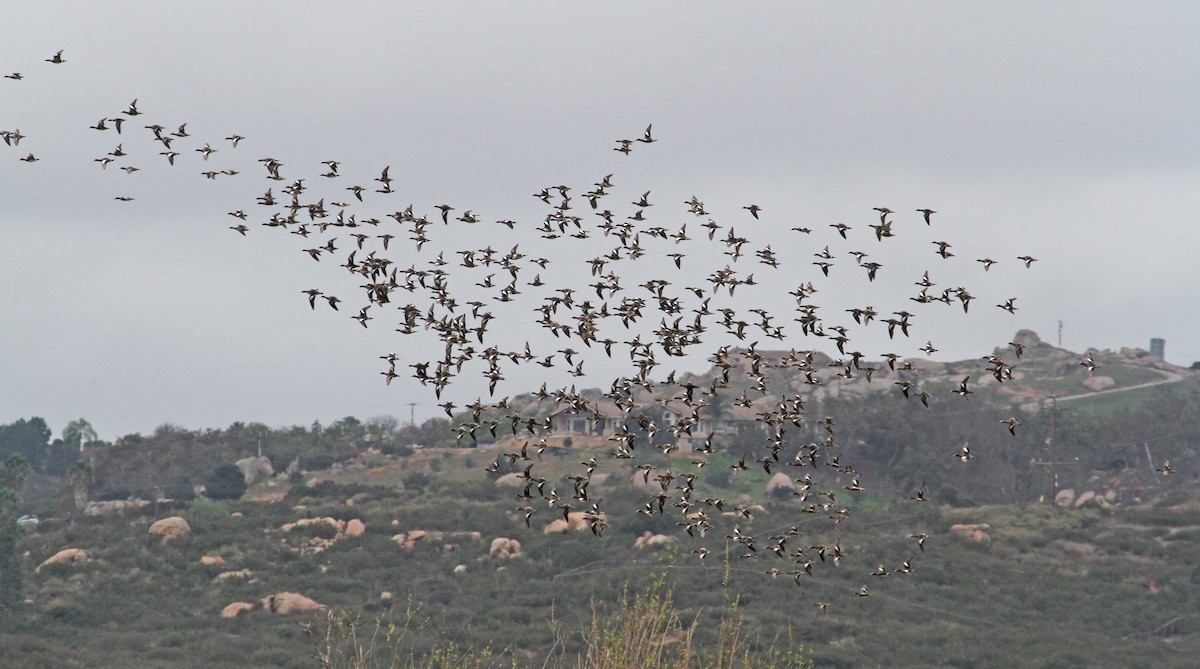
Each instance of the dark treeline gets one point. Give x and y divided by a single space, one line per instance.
173 459
893 443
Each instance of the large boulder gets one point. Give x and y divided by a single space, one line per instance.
171 528
651 540
503 548
227 575
66 556
289 602
355 528
1027 338
255 469
1064 497
780 484
212 560
578 520
511 480
339 526
235 609
575 520
410 538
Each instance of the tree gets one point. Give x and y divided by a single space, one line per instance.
78 433
13 473
226 482
80 478
28 438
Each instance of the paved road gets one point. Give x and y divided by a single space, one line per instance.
1168 377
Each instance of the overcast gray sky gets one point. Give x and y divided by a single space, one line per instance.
1064 130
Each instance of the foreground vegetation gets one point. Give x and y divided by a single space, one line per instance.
1049 587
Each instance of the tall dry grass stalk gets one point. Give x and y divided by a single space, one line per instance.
338 643
644 631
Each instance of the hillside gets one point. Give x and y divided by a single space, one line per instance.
363 522
1080 586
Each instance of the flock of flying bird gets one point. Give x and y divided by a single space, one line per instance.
414 281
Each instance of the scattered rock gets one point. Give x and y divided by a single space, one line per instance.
236 609
651 540
1085 497
503 548
171 528
255 469
511 480
460 569
1027 338
66 556
338 525
1065 497
578 520
212 560
355 528
226 575
289 602
779 483
409 539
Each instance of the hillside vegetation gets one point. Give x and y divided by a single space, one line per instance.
353 539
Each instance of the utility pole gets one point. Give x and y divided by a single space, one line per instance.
412 414
1052 442
1054 439
1060 324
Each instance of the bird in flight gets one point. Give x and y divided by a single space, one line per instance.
964 453
1012 424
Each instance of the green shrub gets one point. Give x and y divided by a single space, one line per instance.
67 614
317 462
226 482
208 510
417 480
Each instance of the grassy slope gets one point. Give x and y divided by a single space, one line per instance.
1053 587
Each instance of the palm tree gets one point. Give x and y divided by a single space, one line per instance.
79 432
80 477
